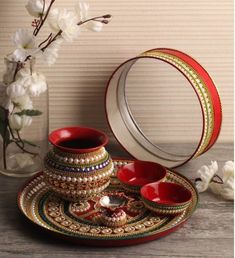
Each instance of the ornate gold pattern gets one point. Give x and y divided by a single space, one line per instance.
77 177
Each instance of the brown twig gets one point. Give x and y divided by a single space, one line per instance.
18 134
48 38
52 40
35 33
16 70
95 19
4 145
17 143
219 178
43 9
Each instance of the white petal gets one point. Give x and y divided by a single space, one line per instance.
50 54
23 73
228 170
206 173
53 19
214 166
82 10
38 85
24 39
35 7
23 102
15 122
15 89
20 54
215 187
94 26
26 121
228 189
24 159
202 186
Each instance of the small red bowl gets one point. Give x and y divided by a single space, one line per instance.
166 197
139 173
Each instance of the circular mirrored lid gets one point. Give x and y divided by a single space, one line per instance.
163 106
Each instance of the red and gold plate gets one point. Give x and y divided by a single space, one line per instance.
80 221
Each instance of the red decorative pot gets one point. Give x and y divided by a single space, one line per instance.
78 166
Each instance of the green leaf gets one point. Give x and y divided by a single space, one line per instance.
4 131
29 112
3 113
30 143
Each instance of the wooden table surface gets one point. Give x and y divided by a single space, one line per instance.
209 232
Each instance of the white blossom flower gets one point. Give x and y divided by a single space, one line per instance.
35 7
15 89
66 21
25 45
23 102
205 175
50 54
18 122
34 83
81 10
24 159
226 190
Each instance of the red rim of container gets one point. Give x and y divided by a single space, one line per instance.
55 137
154 171
184 193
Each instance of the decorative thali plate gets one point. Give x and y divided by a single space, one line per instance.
79 222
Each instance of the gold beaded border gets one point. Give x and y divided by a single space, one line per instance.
201 89
164 211
62 173
77 162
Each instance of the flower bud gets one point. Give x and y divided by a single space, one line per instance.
18 122
15 122
15 89
35 7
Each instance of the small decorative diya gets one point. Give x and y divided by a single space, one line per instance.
166 197
78 166
116 218
113 215
139 173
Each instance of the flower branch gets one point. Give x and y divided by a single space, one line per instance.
21 81
37 29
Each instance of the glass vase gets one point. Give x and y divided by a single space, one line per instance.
23 135
22 151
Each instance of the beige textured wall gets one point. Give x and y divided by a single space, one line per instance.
202 28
